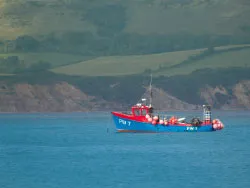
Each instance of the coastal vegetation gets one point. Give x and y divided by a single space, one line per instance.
185 44
127 89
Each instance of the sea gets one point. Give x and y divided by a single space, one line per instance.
83 150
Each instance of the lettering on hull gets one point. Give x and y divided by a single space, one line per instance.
192 128
124 122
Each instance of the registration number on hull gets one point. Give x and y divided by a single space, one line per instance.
192 128
124 122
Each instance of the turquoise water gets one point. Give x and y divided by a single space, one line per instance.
76 150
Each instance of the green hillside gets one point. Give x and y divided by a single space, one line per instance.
125 37
160 64
38 17
56 59
123 65
224 60
108 48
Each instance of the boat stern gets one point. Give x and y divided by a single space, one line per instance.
217 124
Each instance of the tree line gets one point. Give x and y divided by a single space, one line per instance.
12 64
86 43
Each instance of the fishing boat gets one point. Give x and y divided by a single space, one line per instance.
142 118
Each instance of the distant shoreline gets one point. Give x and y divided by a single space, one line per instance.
102 111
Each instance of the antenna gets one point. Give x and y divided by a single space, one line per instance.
150 89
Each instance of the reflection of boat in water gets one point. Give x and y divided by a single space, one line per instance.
142 119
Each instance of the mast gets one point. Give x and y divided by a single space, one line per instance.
150 90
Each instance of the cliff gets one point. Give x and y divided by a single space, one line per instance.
60 97
63 97
235 98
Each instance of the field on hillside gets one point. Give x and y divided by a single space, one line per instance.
1 74
231 46
56 59
160 64
224 60
123 65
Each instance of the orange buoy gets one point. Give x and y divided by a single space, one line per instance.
214 121
154 122
173 121
150 119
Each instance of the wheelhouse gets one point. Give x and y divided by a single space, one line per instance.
141 110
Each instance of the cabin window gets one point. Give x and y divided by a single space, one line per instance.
137 112
143 112
150 110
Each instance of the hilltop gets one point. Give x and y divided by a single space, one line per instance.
199 17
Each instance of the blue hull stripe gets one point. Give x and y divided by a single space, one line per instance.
125 125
